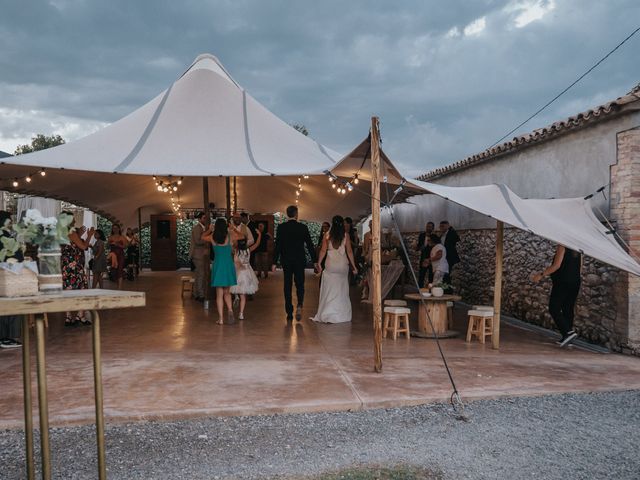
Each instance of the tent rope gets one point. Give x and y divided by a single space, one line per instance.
455 399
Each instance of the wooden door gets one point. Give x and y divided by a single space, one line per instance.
164 256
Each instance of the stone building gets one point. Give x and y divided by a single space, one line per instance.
570 158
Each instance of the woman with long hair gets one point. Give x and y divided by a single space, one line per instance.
335 305
99 265
223 272
73 273
117 243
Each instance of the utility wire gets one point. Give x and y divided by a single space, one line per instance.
569 87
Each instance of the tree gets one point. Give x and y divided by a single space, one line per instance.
301 128
39 142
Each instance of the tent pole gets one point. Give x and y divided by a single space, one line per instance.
207 221
139 239
375 246
235 195
497 292
227 182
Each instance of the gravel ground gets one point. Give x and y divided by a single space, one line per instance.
571 436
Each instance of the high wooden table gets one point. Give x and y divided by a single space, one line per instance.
436 307
64 301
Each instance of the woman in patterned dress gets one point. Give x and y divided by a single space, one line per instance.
73 273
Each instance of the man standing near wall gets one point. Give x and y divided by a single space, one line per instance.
449 238
197 252
425 269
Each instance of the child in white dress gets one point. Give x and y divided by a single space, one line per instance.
247 281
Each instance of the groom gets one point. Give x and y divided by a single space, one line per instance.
291 238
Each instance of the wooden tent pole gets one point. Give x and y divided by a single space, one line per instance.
235 195
139 239
497 292
375 246
227 182
207 221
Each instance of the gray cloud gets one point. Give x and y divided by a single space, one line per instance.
441 94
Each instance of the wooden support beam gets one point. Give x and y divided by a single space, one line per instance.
376 287
497 292
235 195
227 182
207 221
139 239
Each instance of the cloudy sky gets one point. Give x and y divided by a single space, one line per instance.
447 78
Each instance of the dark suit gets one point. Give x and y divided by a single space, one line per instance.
425 252
291 238
450 242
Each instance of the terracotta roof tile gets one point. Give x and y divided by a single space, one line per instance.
561 127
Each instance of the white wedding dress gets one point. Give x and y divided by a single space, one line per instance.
335 305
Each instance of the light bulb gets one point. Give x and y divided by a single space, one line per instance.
15 182
42 173
306 176
333 185
356 180
28 179
180 181
159 188
175 188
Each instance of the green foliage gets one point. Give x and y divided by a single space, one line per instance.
48 233
9 247
145 244
184 241
39 142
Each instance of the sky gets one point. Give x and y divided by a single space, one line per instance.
446 78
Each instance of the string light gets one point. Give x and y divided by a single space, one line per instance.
28 178
356 180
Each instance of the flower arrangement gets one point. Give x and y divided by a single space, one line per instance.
48 233
8 245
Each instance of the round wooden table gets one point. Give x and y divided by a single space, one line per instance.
436 307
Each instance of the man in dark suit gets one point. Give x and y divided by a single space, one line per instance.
425 269
291 238
449 238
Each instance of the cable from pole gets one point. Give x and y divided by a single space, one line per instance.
568 88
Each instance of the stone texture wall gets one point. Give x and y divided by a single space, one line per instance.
597 313
625 212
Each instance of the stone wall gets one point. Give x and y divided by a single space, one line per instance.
596 310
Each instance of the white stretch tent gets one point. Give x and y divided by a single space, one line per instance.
206 125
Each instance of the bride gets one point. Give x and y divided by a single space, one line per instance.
335 305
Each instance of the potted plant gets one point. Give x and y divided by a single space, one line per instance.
440 289
48 234
17 277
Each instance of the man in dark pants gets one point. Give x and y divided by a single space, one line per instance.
565 277
291 238
425 250
449 238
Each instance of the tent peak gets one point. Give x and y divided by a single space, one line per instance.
207 61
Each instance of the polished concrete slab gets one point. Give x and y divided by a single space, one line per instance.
170 360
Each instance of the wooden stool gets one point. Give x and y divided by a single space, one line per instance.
395 303
187 284
450 315
480 324
486 308
396 320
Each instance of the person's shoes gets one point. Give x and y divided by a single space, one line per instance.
199 299
299 313
289 317
10 343
568 339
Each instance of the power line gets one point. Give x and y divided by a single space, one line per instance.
569 87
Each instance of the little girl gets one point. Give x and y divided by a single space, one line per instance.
247 281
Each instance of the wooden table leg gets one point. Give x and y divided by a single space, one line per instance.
26 382
97 383
43 405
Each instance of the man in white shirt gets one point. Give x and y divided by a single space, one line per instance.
438 259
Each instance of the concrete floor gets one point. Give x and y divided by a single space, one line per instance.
170 360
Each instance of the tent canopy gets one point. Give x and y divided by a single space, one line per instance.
568 221
206 125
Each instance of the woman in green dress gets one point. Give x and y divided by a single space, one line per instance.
223 272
